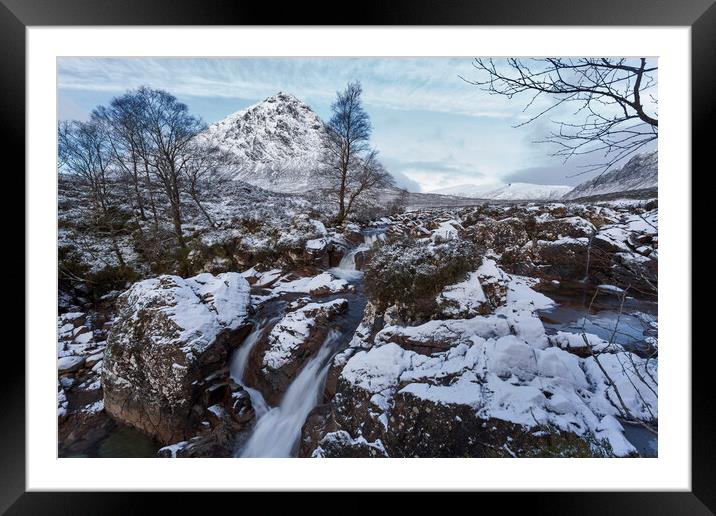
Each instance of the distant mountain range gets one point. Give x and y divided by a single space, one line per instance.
278 145
507 192
639 173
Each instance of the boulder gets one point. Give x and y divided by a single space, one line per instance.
170 335
70 364
281 352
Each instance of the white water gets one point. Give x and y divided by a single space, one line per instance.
277 432
239 362
348 262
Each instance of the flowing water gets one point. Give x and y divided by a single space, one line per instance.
347 268
277 430
277 433
240 360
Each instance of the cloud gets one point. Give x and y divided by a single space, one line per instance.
403 181
429 84
433 129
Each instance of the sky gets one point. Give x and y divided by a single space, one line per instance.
432 128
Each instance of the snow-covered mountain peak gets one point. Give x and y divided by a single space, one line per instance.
277 142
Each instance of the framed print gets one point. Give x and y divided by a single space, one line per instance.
436 248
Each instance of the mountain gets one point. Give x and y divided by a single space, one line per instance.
639 173
507 192
278 143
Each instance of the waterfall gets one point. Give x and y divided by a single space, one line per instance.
278 431
348 262
240 360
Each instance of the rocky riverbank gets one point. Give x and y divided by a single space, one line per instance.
422 334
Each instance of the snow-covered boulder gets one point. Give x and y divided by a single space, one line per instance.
69 364
491 385
320 285
553 229
464 299
282 352
170 335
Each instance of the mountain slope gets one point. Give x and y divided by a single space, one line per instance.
639 173
507 192
277 142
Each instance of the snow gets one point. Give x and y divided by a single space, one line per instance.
291 332
174 448
640 172
309 284
317 244
69 363
464 296
278 141
610 288
511 191
344 440
504 366
446 230
520 293
579 341
201 307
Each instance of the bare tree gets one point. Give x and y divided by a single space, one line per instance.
170 131
122 120
366 174
347 134
618 113
206 163
84 152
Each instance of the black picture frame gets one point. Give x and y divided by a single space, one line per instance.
700 15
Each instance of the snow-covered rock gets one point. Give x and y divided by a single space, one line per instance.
282 352
490 385
169 336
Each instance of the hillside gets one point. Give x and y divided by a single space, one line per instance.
507 192
639 173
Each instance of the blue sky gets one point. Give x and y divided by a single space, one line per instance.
432 129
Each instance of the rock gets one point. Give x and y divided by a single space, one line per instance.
80 330
319 285
282 352
498 235
80 430
74 318
341 444
563 259
573 227
335 255
91 360
488 386
70 364
169 335
493 282
463 300
353 234
361 257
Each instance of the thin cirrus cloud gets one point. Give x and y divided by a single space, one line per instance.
431 84
432 128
